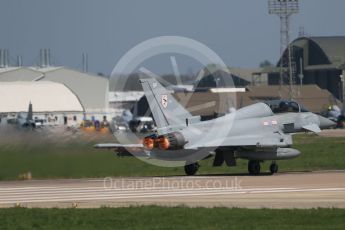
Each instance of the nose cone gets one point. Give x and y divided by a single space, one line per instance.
326 123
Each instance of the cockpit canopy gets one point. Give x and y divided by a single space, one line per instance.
285 106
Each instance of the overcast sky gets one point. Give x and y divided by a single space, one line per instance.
241 32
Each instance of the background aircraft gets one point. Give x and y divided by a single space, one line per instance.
334 113
27 120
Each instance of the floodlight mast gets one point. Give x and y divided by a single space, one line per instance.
284 9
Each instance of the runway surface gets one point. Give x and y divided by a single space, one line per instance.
285 190
332 133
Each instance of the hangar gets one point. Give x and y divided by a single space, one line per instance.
91 91
51 101
321 60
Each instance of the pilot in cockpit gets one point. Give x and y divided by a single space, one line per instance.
283 107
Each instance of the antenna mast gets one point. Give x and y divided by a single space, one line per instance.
284 9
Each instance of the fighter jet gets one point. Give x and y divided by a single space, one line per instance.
254 133
27 120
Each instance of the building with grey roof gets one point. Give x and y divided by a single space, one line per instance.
321 61
10 74
91 90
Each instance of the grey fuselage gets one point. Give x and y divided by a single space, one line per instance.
253 132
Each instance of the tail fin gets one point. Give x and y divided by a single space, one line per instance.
30 113
165 109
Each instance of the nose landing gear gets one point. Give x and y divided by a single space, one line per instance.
274 168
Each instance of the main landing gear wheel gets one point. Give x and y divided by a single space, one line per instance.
273 168
254 167
191 169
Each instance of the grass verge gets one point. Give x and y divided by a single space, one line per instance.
78 160
153 217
